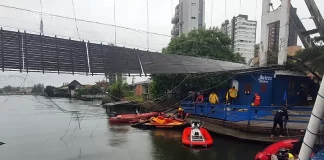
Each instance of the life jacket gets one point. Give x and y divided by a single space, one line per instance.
159 120
213 98
257 100
180 112
291 156
200 99
232 93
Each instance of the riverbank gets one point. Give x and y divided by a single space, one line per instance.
256 132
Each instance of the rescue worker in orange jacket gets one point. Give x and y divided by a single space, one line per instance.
200 98
256 101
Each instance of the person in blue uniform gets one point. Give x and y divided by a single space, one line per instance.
280 117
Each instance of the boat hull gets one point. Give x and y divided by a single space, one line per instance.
170 126
128 118
274 148
187 142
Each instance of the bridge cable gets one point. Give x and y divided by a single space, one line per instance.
41 22
83 20
226 11
80 121
240 6
67 129
96 126
211 13
115 23
147 25
75 19
10 95
256 9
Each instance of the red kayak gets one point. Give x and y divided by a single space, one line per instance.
196 136
274 148
127 118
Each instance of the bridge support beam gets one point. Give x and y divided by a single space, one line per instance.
281 16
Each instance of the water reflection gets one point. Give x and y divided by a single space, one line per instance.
118 134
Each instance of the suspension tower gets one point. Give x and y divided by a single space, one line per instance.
281 18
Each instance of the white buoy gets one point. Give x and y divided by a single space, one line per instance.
313 125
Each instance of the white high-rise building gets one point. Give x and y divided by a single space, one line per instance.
243 35
189 15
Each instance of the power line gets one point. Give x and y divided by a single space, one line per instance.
225 9
115 22
41 28
240 6
211 12
75 19
256 8
147 23
82 20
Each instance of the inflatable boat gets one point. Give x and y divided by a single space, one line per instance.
274 148
161 122
127 118
196 136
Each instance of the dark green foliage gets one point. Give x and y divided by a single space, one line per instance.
49 90
38 89
211 44
119 90
313 58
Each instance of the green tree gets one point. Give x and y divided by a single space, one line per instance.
38 89
119 90
80 92
49 90
210 43
313 57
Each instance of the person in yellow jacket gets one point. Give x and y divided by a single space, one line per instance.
231 95
291 156
213 98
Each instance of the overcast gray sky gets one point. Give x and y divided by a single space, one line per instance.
129 13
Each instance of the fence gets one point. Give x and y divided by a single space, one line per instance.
245 113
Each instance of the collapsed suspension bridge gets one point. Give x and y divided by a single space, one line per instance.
24 52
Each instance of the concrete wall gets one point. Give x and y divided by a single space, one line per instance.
141 89
282 15
191 15
271 86
293 49
254 83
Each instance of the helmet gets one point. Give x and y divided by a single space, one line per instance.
282 154
180 109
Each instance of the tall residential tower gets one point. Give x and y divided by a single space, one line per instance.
189 15
243 35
